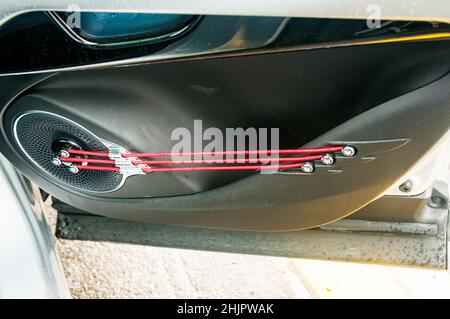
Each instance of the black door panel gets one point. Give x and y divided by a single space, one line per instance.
305 94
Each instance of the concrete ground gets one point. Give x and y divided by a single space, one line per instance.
111 270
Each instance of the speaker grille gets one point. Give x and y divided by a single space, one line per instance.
36 133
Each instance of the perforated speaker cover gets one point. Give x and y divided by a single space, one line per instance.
36 133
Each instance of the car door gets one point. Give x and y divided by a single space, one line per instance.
308 132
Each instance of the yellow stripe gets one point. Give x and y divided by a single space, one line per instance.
421 37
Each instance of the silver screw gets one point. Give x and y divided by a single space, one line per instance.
348 151
437 202
73 169
307 167
406 186
56 161
64 153
327 159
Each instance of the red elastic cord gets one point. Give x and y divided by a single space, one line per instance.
221 161
99 168
220 168
91 153
86 160
247 152
196 168
232 160
318 150
294 161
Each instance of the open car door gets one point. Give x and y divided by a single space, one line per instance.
302 131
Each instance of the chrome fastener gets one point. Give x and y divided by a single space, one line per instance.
348 151
64 153
125 164
307 167
406 186
327 159
73 169
437 202
56 161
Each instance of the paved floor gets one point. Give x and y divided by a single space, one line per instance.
110 270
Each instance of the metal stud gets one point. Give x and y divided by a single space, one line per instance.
406 186
73 169
327 159
307 167
56 161
64 153
437 202
348 151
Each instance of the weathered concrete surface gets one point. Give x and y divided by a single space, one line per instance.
111 270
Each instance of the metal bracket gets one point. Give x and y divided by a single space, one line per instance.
124 163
